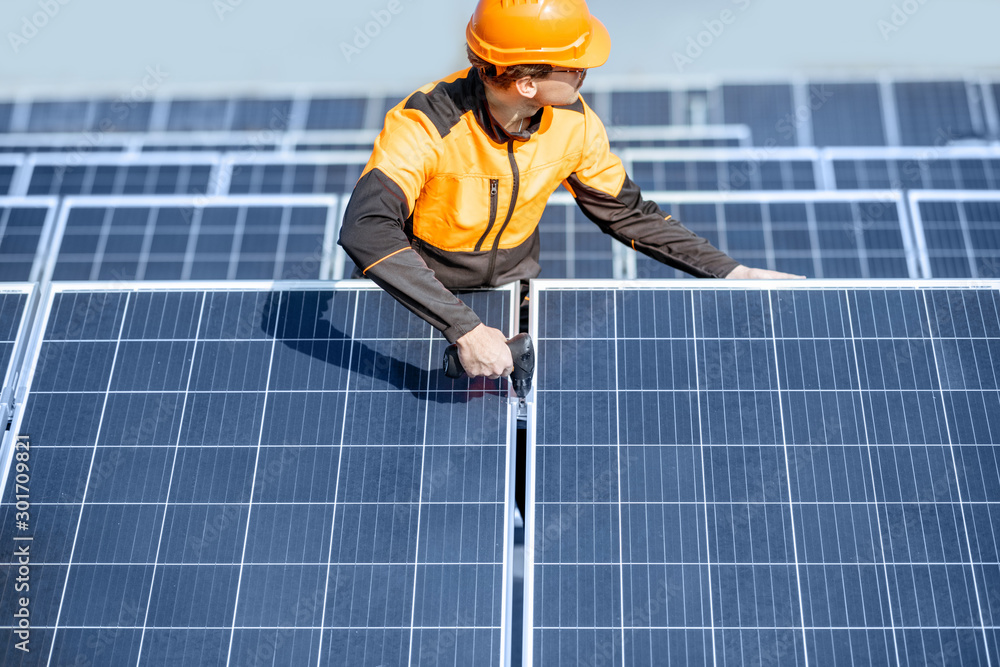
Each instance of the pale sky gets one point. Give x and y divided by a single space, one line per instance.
67 45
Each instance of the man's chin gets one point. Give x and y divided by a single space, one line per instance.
576 96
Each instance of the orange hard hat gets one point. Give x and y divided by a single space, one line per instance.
552 32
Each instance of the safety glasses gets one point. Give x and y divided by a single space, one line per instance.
580 73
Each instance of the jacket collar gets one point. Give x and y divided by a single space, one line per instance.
493 129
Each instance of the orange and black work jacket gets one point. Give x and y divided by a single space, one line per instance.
449 200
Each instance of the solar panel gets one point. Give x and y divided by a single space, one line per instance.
958 232
223 475
995 89
734 475
313 173
767 109
724 169
6 111
61 143
9 172
640 107
574 247
194 238
252 115
850 115
123 115
862 234
332 113
941 167
15 310
934 113
678 136
199 115
117 175
59 116
25 229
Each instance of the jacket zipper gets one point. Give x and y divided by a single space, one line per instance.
494 186
510 212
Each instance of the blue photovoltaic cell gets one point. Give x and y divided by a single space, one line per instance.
120 179
769 478
11 311
847 114
933 113
962 238
234 241
252 115
766 109
222 477
198 115
713 175
996 97
21 227
344 113
640 108
69 116
6 178
6 110
817 239
929 172
121 116
292 178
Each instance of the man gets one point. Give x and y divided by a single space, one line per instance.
462 169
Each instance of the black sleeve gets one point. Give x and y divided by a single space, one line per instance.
373 236
642 225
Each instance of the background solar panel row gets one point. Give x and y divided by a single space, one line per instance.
824 113
958 232
24 144
242 238
788 477
334 173
816 234
102 175
848 114
224 475
25 227
724 169
939 168
767 109
934 113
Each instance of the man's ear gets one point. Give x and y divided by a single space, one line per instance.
526 86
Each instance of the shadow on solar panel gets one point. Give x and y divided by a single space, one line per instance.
304 322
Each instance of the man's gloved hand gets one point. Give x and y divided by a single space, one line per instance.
746 273
484 352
